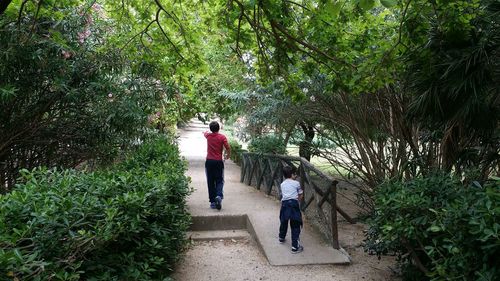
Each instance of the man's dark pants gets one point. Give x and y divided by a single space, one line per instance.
214 169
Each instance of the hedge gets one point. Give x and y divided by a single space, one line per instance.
236 151
123 223
440 228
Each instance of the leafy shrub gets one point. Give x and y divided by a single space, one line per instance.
126 223
440 228
85 100
267 144
236 151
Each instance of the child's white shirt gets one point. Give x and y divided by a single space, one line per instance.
290 189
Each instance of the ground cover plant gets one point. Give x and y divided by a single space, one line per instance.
440 228
123 223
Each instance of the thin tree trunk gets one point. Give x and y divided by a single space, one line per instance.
288 134
305 145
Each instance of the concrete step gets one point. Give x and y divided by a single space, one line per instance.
246 208
226 226
235 234
219 222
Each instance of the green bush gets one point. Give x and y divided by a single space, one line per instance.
126 223
236 151
85 99
440 228
267 144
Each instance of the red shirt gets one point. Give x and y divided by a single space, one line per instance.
215 144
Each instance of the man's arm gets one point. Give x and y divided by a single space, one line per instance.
228 149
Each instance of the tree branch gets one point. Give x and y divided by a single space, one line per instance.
238 34
400 30
3 5
414 256
36 15
165 34
306 44
300 5
20 14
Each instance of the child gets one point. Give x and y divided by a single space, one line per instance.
290 210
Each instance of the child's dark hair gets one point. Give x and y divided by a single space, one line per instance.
214 126
288 171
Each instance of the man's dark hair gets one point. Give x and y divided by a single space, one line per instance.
214 126
288 171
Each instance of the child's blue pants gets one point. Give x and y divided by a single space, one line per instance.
290 211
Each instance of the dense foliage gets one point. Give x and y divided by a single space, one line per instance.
384 90
125 223
236 151
440 228
64 98
267 144
395 92
453 76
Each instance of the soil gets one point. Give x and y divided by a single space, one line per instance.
241 260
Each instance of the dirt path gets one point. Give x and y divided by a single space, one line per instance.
238 260
231 260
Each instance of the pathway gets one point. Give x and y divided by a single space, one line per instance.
247 215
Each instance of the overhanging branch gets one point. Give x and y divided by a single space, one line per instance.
3 5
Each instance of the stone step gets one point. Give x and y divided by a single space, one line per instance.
259 226
219 222
234 234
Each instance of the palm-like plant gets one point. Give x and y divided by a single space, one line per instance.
454 78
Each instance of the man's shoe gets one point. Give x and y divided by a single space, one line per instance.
218 203
282 240
297 250
212 205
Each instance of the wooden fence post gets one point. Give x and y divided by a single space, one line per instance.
262 169
251 169
243 167
302 176
333 205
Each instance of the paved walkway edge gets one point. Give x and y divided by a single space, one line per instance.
220 226
245 207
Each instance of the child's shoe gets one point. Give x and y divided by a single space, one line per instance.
297 250
212 205
218 203
281 240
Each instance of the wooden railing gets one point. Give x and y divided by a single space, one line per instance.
265 170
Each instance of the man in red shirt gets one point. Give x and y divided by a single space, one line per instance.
214 165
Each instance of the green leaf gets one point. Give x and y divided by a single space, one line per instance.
388 3
18 254
8 92
366 4
333 8
435 228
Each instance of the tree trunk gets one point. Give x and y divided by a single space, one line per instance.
288 134
305 145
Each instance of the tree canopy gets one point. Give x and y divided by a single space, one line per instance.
387 91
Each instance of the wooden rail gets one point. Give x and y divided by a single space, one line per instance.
266 170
